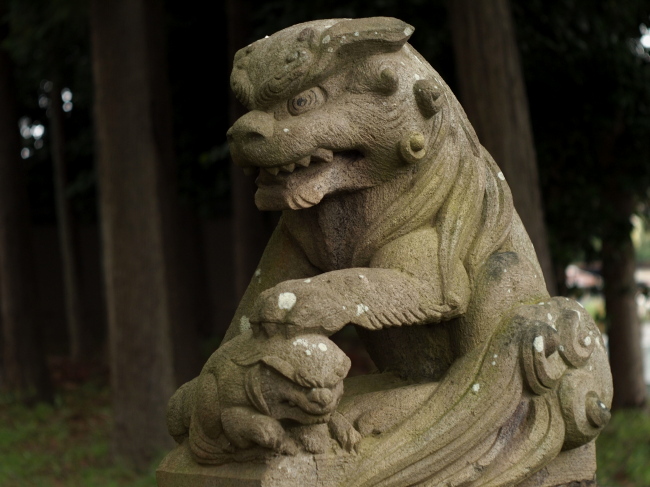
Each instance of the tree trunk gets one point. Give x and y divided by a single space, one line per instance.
24 371
624 331
80 343
251 228
151 327
493 94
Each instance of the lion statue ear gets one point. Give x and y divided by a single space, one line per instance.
280 366
363 37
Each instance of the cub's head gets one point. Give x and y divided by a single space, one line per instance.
298 379
335 105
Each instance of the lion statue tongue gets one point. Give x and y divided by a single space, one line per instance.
306 185
299 190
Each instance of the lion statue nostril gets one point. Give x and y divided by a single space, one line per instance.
253 125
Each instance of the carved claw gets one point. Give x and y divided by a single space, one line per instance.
343 432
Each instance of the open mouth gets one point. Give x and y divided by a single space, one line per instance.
303 183
319 156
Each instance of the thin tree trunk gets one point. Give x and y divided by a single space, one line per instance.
80 345
624 331
493 94
251 228
24 371
146 300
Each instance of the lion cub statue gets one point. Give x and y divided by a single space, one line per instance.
276 394
397 221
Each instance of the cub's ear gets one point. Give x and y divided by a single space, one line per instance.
363 37
281 366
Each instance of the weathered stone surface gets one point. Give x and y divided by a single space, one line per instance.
396 220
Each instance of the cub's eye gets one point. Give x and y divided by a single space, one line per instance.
305 101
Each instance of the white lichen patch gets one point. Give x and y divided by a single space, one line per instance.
322 347
300 341
509 290
285 130
361 276
326 39
286 301
495 355
408 31
361 308
549 316
307 281
244 323
587 341
538 344
580 304
307 352
501 176
541 304
330 49
416 76
476 387
258 272
561 348
356 34
493 362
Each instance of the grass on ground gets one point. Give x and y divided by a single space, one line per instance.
67 445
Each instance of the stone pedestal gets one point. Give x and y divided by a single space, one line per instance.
573 468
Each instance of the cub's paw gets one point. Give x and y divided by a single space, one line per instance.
314 438
343 432
267 432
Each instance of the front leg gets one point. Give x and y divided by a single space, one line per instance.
282 259
245 427
402 286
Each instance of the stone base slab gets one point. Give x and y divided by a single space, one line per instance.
573 468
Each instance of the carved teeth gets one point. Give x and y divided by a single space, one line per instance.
304 162
272 170
288 167
323 155
249 171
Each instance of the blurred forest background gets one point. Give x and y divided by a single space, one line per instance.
126 240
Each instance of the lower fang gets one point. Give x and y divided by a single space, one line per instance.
304 162
272 170
288 167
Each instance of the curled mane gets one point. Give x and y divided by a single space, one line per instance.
459 190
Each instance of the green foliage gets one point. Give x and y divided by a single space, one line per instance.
49 41
63 445
623 450
588 81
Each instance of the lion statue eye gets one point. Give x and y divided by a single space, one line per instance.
305 101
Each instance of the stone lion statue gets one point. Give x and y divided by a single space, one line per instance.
396 220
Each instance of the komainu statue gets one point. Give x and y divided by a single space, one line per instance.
395 220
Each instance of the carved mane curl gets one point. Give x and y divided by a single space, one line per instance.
457 177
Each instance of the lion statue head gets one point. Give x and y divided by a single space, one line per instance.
347 105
